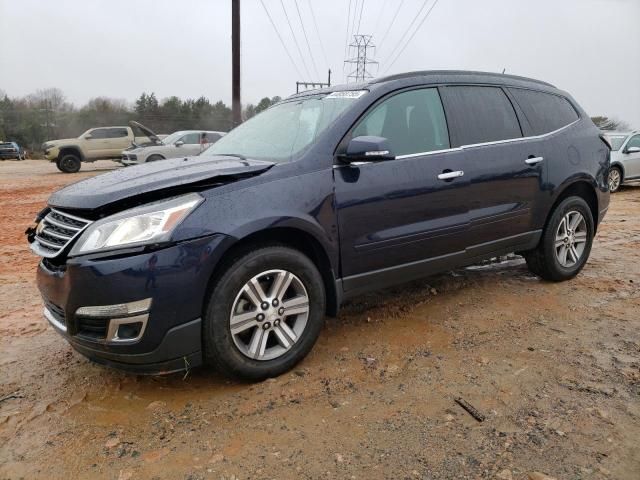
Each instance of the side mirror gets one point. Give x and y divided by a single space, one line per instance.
368 149
179 143
88 136
632 150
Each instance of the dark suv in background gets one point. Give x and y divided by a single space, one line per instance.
234 257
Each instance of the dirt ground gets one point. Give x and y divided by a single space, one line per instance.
555 368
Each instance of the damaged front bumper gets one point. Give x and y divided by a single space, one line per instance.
139 312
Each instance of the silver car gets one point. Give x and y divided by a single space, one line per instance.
185 143
625 158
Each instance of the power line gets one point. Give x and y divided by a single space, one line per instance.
395 15
353 22
295 39
346 38
413 35
313 15
304 31
284 45
375 29
415 19
360 19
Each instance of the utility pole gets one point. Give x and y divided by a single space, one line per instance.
236 106
306 85
362 46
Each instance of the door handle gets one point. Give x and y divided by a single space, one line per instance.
450 175
533 160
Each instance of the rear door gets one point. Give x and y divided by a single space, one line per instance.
402 218
507 172
117 140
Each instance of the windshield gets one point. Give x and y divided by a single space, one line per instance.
282 131
616 141
174 137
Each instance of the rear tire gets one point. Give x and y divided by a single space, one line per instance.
68 163
288 338
566 242
615 179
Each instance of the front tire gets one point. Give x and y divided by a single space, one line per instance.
566 242
264 314
68 163
615 179
154 158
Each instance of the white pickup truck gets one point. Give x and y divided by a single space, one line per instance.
102 143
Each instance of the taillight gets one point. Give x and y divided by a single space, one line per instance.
606 141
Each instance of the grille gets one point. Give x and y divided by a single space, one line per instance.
56 231
130 156
95 328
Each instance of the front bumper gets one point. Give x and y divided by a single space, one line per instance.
51 154
6 154
129 159
175 278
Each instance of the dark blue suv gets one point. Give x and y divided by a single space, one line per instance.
233 258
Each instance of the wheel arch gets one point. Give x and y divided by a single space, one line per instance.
292 237
620 166
582 188
71 149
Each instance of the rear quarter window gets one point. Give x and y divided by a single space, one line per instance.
480 115
544 112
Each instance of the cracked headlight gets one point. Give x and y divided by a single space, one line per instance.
151 223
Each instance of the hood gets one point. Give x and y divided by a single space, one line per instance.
61 141
135 181
146 131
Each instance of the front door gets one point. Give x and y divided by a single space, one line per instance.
631 160
402 218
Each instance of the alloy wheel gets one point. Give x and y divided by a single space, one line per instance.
571 239
269 315
614 179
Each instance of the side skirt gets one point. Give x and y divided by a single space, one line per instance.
386 277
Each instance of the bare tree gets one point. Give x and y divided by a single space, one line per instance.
606 123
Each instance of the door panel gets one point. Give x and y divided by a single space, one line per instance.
505 191
507 173
632 160
397 212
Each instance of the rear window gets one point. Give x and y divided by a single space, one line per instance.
480 115
545 112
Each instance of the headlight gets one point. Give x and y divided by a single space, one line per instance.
142 225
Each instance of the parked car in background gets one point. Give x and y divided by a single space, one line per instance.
233 258
185 143
11 150
625 158
102 143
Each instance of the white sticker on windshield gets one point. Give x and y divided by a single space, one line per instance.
347 94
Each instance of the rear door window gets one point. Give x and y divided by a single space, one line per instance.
545 112
412 121
116 133
480 114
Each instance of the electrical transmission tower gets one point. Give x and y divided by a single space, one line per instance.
361 49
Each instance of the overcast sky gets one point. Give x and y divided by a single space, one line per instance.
120 48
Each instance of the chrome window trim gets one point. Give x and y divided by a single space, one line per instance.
485 144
